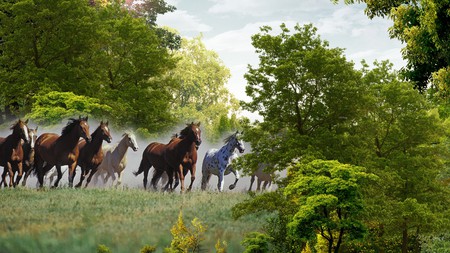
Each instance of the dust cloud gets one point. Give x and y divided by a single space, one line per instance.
134 158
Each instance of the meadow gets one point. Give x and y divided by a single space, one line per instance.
74 220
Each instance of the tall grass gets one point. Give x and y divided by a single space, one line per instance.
71 220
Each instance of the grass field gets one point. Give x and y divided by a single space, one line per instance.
73 220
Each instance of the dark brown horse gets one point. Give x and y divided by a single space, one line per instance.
177 150
11 152
153 155
55 150
91 154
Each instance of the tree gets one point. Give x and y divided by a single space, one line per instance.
304 90
100 52
329 199
200 92
422 25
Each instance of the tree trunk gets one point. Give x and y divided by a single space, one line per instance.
405 238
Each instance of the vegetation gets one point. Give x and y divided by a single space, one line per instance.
121 220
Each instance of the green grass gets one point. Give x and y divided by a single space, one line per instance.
72 220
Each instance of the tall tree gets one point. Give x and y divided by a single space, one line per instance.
200 92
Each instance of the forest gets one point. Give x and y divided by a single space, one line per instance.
366 150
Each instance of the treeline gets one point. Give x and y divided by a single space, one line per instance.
108 59
366 153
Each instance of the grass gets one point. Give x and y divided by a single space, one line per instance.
72 220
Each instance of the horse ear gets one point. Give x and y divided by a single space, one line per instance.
26 121
107 122
198 124
86 118
101 122
36 128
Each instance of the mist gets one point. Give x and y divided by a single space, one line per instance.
134 158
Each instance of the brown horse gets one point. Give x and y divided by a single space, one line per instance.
91 154
11 152
153 155
54 150
28 155
177 151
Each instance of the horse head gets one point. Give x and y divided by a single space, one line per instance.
131 141
21 129
84 127
193 132
32 133
238 143
106 134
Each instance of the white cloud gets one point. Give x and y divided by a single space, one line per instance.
258 8
183 21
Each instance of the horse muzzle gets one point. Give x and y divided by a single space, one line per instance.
88 139
198 143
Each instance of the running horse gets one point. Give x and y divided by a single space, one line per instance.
217 161
176 152
11 151
153 155
59 150
28 155
91 154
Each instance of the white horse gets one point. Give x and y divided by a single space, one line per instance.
217 161
115 159
262 177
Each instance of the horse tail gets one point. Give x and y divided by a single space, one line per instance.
142 167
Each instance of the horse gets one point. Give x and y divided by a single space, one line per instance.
115 159
153 155
91 154
177 152
11 151
262 177
59 150
50 176
216 161
28 154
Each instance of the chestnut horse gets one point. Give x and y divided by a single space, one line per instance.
153 156
178 150
11 152
55 150
91 154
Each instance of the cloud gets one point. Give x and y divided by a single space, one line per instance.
258 8
183 21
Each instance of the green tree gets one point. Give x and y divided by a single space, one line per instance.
185 239
329 198
304 90
100 52
200 92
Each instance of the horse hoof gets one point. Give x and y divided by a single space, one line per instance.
231 187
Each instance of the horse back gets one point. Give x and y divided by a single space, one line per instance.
154 154
51 148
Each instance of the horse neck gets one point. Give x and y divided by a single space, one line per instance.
14 138
122 147
228 149
97 141
71 139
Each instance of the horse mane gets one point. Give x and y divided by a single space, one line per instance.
186 130
16 124
226 140
70 125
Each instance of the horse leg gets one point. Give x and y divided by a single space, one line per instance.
5 172
192 170
265 185
158 173
206 176
84 171
92 172
170 181
25 177
252 179
19 175
58 170
11 174
220 179
259 184
181 176
236 174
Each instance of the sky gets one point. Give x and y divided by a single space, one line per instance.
226 27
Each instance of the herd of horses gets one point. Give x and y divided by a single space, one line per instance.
23 153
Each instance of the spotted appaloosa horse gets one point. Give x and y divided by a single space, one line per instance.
11 152
216 161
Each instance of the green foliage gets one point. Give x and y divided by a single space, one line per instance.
116 58
53 107
185 239
148 249
256 242
101 248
